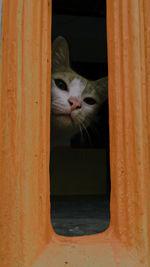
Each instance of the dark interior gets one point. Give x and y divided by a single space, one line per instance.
80 174
89 8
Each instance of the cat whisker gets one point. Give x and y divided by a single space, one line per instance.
89 138
94 128
82 138
58 109
86 131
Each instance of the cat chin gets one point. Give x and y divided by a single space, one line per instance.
63 125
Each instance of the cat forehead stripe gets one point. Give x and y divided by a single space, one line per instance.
78 84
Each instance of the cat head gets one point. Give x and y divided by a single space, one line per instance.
75 100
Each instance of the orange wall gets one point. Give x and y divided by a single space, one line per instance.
24 135
24 131
129 98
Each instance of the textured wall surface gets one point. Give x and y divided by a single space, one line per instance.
24 131
129 93
1 3
24 135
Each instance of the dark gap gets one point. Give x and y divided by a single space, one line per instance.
80 172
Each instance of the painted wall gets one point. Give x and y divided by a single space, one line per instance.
1 3
24 131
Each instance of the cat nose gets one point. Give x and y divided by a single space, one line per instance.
75 103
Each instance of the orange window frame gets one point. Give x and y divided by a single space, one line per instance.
27 237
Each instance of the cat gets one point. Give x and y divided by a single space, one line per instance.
75 100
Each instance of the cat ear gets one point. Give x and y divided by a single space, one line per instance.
60 54
101 86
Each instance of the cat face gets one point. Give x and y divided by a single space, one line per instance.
75 100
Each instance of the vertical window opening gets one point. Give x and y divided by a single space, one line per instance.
79 165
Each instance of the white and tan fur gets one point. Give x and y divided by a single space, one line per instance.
70 112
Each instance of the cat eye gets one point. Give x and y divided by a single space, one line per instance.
61 84
89 101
